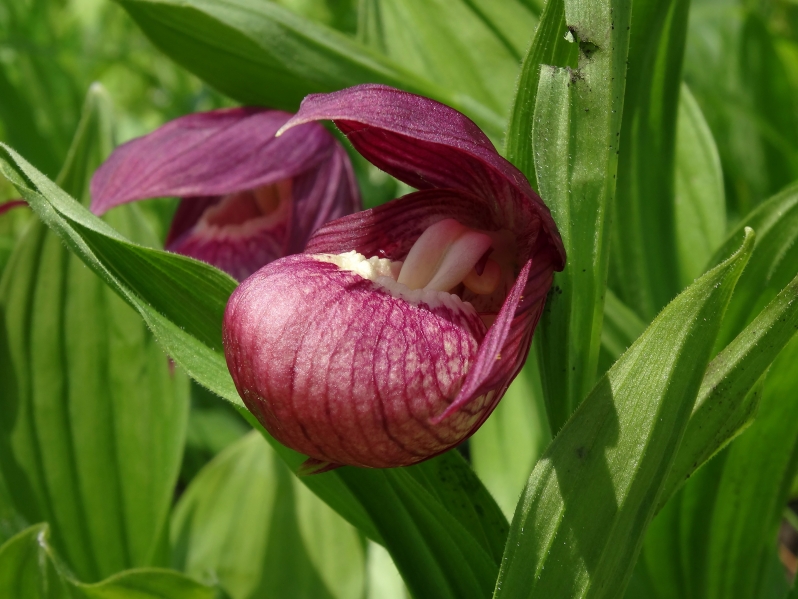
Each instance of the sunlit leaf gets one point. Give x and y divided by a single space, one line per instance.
237 523
575 135
585 510
461 44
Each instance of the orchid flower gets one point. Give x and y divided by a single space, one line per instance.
397 331
247 197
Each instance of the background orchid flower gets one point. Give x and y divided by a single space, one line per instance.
397 331
247 197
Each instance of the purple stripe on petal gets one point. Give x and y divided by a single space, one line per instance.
209 154
342 369
427 145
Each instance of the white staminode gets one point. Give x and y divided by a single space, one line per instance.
446 255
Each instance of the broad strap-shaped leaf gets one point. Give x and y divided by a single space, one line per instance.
717 536
261 53
548 47
728 399
575 136
93 418
161 286
645 271
237 522
580 524
700 197
30 568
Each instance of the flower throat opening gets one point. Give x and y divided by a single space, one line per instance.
447 254
263 203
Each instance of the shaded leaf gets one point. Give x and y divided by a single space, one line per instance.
505 449
645 270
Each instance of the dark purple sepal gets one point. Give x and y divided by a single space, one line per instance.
208 154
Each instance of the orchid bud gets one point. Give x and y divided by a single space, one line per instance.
397 331
247 197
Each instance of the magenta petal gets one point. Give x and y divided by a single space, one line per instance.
427 145
321 195
340 368
499 358
208 154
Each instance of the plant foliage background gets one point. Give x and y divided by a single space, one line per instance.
652 437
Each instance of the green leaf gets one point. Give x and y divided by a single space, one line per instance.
402 508
753 491
577 121
30 568
258 52
549 47
645 270
457 43
721 527
591 496
700 199
621 327
92 417
504 450
743 87
728 398
237 523
773 264
384 581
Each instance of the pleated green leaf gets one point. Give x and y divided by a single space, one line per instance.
575 135
645 270
580 524
237 524
261 53
30 569
471 47
93 417
549 47
402 508
700 197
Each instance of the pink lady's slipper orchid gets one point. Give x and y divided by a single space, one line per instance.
247 197
397 331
